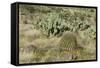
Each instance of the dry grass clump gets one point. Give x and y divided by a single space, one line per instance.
65 48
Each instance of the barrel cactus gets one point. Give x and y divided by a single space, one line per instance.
68 41
69 47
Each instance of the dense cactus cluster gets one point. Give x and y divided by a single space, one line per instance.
54 21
